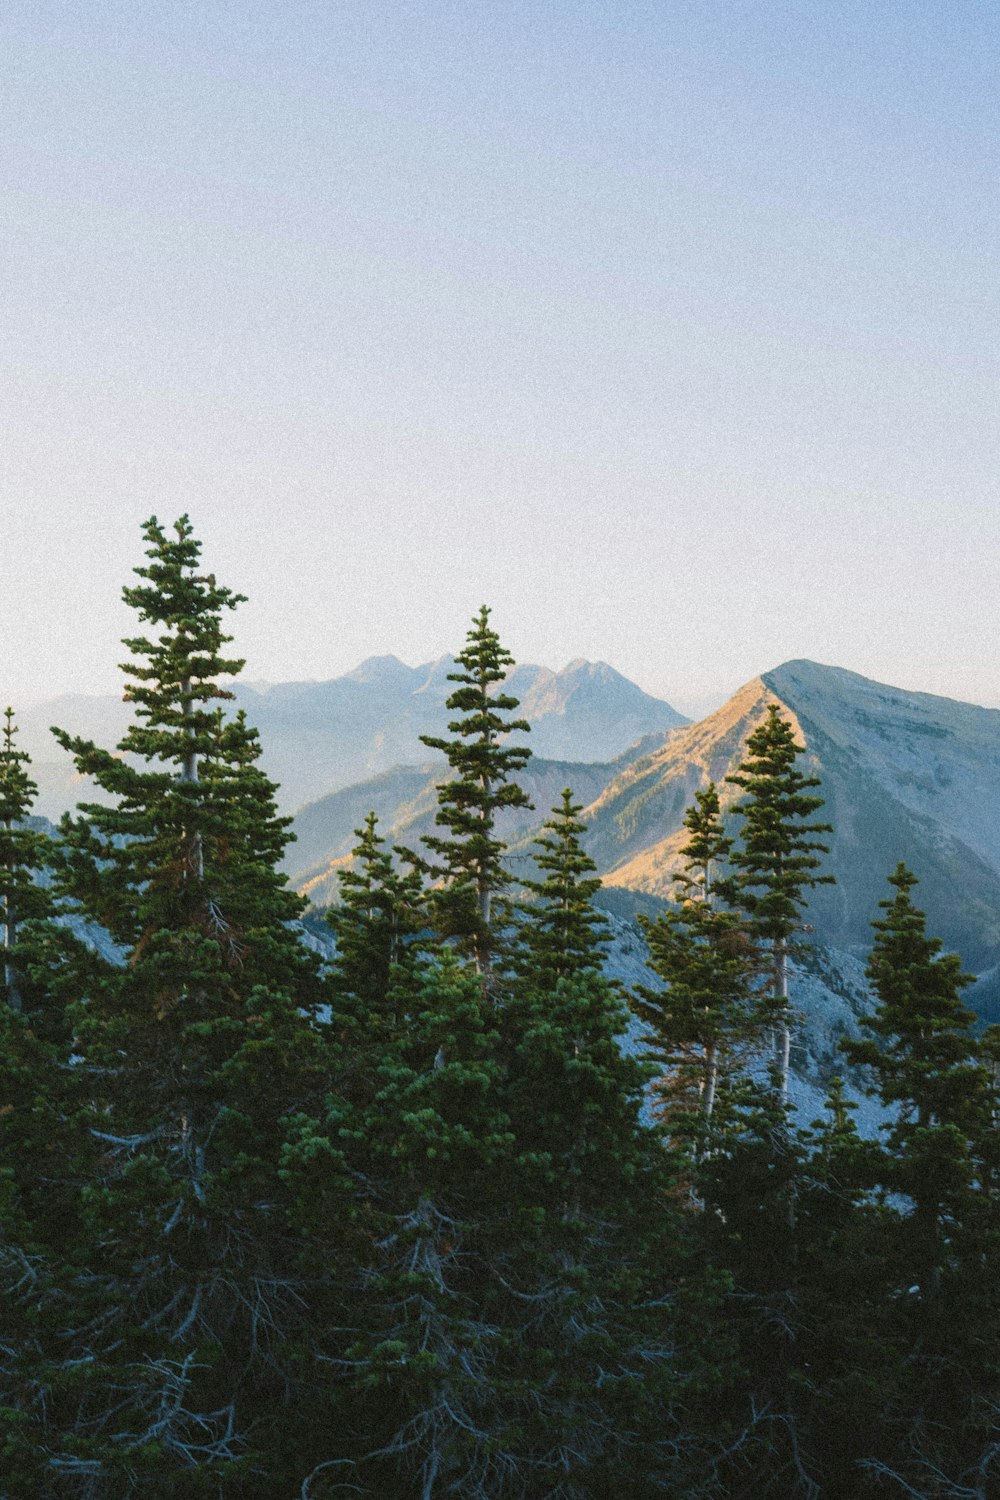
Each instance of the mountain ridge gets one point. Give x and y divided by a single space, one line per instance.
909 776
319 737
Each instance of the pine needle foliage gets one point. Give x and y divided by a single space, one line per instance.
778 855
705 1020
942 1236
197 1052
562 933
24 853
41 1157
469 852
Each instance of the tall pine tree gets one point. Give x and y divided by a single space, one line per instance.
197 1052
587 1247
702 1024
469 852
778 858
927 1066
41 1156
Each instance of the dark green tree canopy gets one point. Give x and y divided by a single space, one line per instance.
778 854
469 853
24 853
562 933
920 1048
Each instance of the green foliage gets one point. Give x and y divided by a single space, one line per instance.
396 1224
943 1234
777 858
702 1025
562 933
377 925
197 1052
469 854
39 1149
777 855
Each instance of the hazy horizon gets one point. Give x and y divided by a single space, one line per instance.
693 707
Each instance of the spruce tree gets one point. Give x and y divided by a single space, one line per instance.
562 932
778 855
197 1053
40 1152
421 1364
24 853
845 1366
586 1243
938 1166
703 1023
377 925
469 852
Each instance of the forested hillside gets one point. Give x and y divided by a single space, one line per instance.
406 1220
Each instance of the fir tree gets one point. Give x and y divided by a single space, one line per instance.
197 1054
37 1212
562 933
24 853
377 923
703 1023
586 1243
469 853
422 1364
777 858
845 1367
938 1164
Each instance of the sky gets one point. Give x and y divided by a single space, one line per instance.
669 330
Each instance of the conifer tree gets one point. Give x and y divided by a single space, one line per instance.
778 855
938 1164
585 1241
469 852
422 1362
845 1366
39 1149
197 1053
377 923
702 1024
562 933
24 852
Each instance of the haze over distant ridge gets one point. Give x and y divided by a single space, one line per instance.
318 737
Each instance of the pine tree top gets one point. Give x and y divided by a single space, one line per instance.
920 1046
17 790
469 854
562 933
24 851
918 985
778 854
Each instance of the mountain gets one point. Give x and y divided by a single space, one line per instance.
905 776
405 802
319 737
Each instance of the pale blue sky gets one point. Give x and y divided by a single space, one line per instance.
669 329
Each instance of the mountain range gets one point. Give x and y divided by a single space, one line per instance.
905 776
319 737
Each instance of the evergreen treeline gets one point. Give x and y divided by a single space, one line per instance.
409 1222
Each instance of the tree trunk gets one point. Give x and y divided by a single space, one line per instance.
784 1029
711 1079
